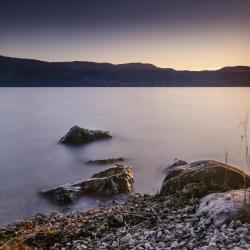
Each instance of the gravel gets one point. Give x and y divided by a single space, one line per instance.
143 222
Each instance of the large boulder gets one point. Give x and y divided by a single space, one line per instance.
200 178
77 136
109 182
223 207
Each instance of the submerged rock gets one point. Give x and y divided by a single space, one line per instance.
106 161
200 178
77 136
112 181
222 207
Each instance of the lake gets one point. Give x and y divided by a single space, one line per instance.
151 126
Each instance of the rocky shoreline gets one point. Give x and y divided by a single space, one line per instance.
176 220
143 222
201 205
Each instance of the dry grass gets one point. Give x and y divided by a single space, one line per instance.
226 156
244 140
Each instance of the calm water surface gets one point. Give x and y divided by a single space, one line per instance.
151 126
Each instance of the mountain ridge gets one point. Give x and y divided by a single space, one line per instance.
23 72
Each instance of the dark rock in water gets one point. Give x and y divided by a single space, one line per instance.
63 194
106 161
78 136
200 178
172 165
112 181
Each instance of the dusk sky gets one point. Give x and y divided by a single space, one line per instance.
191 34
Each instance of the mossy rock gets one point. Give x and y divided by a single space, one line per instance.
200 178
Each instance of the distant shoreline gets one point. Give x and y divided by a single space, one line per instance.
15 72
96 87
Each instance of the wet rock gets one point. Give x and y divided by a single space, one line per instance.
118 169
172 165
200 178
222 207
106 161
112 181
78 136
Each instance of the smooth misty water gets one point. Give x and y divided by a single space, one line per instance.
151 126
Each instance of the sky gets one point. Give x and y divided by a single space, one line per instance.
180 34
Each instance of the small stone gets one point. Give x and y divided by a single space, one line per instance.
152 233
236 238
119 218
174 244
132 242
208 221
105 244
126 238
162 244
159 234
169 237
212 244
238 223
114 244
182 244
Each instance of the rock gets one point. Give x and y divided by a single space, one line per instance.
78 136
113 171
200 178
106 161
174 244
147 246
132 242
114 244
159 235
172 165
112 181
126 238
212 244
119 218
182 244
222 207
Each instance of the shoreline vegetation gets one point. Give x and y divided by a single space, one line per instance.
200 205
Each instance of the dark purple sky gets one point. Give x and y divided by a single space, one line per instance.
190 34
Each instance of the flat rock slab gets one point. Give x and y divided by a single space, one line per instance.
79 136
200 178
112 181
105 161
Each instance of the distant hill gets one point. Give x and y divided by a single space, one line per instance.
16 72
